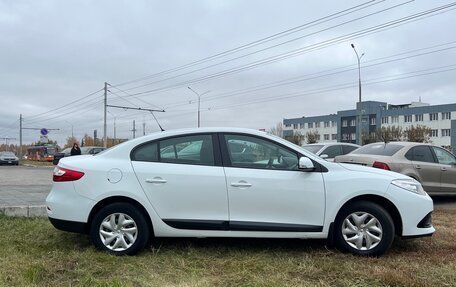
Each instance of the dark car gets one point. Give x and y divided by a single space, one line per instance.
84 150
7 157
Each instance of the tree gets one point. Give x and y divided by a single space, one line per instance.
277 130
295 138
70 141
312 137
420 134
390 133
87 140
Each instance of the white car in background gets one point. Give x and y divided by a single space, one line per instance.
329 151
229 182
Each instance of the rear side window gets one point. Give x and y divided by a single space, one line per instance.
332 151
313 148
420 153
348 149
146 152
194 149
387 149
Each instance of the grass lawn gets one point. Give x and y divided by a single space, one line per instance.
35 163
33 253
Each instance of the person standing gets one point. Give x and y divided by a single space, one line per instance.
75 150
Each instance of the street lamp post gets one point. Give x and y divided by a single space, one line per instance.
359 91
199 102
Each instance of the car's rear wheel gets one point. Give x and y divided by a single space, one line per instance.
364 228
120 228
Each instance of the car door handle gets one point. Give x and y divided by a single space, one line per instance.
241 184
418 166
156 180
443 169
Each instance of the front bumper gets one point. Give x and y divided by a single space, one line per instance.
9 161
415 211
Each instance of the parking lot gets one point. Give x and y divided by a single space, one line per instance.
29 186
23 185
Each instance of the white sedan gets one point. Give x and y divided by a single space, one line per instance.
229 182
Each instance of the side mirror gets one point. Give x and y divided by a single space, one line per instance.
324 156
305 164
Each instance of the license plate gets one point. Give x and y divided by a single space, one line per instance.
9 161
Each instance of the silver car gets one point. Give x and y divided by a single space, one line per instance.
433 166
329 151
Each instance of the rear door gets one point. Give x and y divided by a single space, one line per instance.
426 166
184 180
447 162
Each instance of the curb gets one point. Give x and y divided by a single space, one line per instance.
24 211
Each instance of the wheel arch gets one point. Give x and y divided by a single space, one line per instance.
122 199
383 202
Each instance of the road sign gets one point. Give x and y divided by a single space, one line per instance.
44 131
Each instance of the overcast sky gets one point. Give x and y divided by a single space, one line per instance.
54 53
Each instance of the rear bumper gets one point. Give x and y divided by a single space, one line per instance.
70 226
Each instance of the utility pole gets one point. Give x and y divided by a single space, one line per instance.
144 128
114 129
360 132
199 103
20 136
105 143
134 129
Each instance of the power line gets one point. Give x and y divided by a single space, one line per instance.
65 105
262 40
313 76
313 47
271 47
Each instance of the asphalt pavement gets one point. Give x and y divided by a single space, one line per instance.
23 191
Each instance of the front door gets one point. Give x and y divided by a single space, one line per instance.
426 166
447 163
184 181
266 190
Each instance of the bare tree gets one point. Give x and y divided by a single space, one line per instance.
387 134
421 134
277 130
295 138
312 137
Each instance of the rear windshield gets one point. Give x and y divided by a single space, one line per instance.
388 149
313 148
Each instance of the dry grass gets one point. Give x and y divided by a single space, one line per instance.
33 253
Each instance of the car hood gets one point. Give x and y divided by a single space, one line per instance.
360 168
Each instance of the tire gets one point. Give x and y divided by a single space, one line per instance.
126 239
364 228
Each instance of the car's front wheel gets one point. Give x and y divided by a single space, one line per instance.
364 228
120 228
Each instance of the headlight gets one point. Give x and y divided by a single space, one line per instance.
410 185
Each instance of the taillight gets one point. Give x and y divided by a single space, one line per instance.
381 165
64 174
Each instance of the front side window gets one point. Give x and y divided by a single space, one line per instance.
444 157
259 153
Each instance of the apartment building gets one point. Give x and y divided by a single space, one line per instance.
344 127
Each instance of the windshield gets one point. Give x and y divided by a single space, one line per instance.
7 153
387 149
313 148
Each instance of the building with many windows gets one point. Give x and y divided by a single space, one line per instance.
343 126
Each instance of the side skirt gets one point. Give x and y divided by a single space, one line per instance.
191 224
